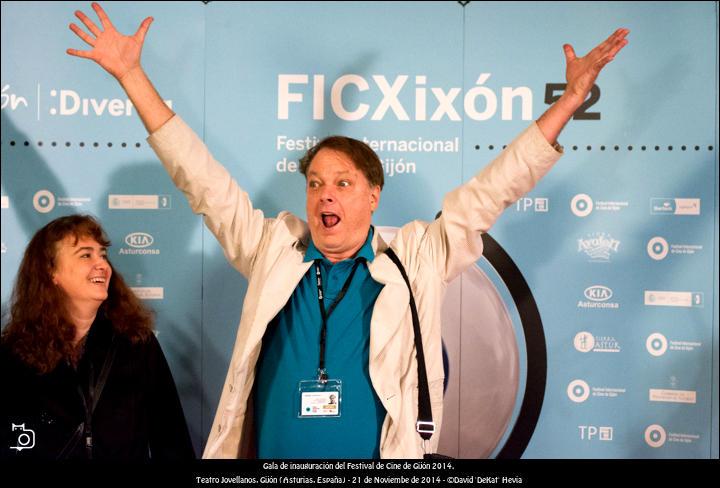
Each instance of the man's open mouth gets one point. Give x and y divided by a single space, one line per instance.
329 219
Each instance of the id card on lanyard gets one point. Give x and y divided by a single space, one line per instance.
322 396
319 398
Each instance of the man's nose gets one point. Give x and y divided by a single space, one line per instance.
327 195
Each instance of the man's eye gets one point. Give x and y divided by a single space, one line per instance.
313 184
344 183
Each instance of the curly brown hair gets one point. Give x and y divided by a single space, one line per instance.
38 331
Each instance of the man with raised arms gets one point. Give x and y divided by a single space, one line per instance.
326 311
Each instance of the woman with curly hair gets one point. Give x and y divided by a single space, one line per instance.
84 375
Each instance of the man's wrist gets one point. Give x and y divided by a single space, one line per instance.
132 76
568 104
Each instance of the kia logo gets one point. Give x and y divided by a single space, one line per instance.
139 239
598 293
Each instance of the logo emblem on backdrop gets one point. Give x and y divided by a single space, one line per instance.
584 342
44 201
656 344
655 435
598 297
139 202
139 240
578 391
598 247
658 298
139 245
658 248
581 205
598 293
675 206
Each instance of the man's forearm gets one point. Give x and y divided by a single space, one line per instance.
552 122
149 105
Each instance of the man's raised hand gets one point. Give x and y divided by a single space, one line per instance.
581 73
116 53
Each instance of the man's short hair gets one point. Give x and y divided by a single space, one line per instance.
359 153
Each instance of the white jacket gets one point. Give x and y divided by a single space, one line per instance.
269 253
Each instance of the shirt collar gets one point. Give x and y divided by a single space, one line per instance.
366 251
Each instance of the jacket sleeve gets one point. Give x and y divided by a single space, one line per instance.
454 240
168 432
212 192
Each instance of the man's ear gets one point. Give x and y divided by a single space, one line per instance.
374 197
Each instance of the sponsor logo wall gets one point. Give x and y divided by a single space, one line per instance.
618 243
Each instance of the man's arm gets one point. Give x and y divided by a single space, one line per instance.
208 186
581 74
119 55
454 241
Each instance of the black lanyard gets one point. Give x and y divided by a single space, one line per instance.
322 373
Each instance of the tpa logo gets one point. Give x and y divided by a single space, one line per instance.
139 240
598 293
591 432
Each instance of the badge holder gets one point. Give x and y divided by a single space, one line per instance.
319 398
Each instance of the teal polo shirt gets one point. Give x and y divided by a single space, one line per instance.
290 353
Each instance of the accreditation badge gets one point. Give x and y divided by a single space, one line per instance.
318 398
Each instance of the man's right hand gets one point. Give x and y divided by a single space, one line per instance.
116 53
119 55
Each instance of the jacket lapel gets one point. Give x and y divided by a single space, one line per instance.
281 282
392 303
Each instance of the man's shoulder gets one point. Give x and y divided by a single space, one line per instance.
407 237
292 223
414 228
289 229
